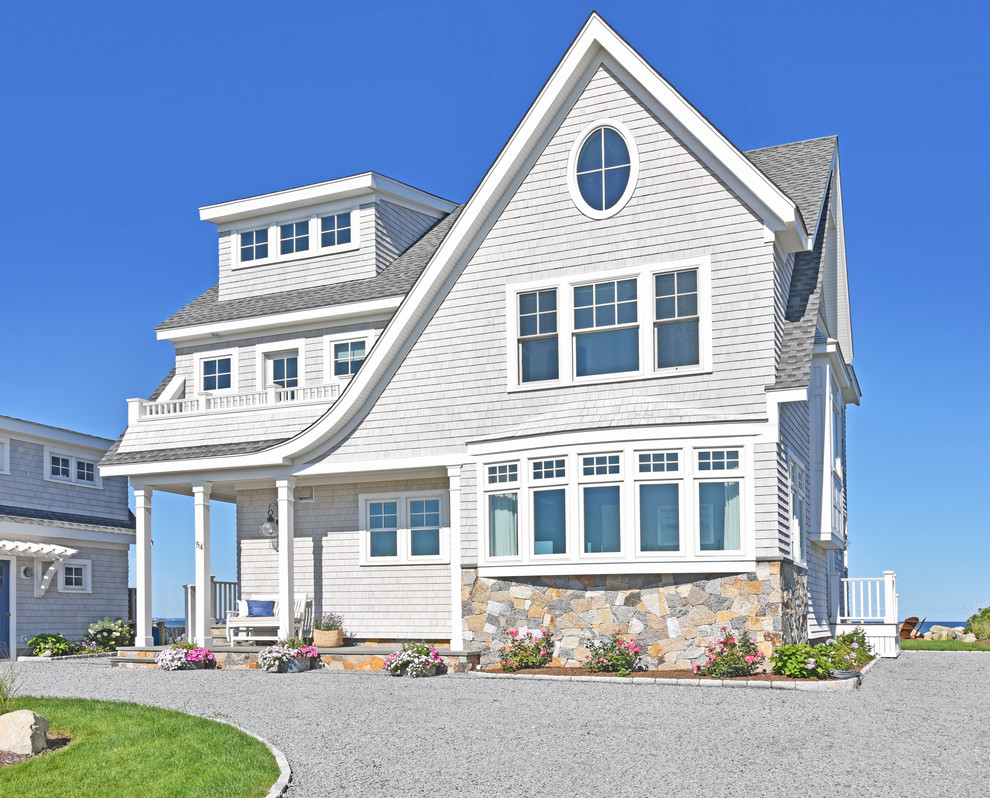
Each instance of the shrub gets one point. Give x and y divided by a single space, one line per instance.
526 651
110 633
9 676
732 655
802 661
850 650
284 651
328 622
414 659
979 624
58 644
612 655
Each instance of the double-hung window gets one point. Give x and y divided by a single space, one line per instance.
538 354
549 508
601 519
502 504
606 335
659 501
677 321
403 529
348 357
719 522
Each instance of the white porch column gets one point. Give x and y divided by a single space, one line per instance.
204 588
142 513
286 564
890 597
456 628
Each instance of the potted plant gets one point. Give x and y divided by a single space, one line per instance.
415 659
184 655
328 631
288 656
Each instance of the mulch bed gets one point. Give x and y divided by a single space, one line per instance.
54 743
673 674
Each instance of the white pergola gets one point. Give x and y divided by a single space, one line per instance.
44 552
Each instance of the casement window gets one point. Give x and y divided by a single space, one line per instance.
293 237
216 373
651 322
663 505
348 357
283 369
602 168
404 529
65 467
75 576
254 245
798 494
335 230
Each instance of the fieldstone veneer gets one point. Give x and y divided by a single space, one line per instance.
673 618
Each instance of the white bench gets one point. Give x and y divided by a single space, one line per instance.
244 628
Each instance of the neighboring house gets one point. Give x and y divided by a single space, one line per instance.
65 530
606 395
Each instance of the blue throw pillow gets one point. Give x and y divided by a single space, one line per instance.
260 609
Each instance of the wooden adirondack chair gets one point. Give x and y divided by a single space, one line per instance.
908 627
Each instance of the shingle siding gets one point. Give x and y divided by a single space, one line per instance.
376 601
396 229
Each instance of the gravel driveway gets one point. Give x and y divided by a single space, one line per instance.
918 727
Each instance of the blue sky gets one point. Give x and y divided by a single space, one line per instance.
120 120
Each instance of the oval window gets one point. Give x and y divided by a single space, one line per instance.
603 168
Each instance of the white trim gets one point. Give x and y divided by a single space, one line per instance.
200 357
794 463
403 531
366 184
12 598
377 309
367 336
572 184
644 275
264 352
4 455
638 567
87 567
32 431
74 460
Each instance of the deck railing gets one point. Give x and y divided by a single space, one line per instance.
224 597
872 600
142 410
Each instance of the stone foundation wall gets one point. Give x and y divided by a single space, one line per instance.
673 618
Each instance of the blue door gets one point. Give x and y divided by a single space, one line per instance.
4 607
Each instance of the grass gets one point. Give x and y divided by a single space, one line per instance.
120 749
942 645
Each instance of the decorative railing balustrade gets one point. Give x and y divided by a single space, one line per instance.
872 600
141 409
224 597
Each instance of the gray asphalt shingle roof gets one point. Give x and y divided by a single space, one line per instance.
394 280
30 514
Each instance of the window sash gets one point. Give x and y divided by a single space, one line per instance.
719 519
602 521
503 524
549 522
659 517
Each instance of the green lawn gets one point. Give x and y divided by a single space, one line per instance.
943 645
120 749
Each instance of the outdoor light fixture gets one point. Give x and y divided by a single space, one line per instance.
270 528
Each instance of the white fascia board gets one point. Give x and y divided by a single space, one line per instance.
366 184
846 376
843 307
58 534
305 318
30 430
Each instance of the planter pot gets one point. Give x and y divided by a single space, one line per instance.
332 638
296 665
198 665
431 670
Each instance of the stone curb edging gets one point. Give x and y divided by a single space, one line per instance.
97 655
833 686
281 785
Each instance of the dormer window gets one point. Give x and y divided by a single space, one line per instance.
293 237
283 370
254 245
216 374
335 230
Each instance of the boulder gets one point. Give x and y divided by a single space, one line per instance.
23 732
970 638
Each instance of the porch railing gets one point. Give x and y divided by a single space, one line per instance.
871 600
223 597
142 410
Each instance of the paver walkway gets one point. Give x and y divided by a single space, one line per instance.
920 726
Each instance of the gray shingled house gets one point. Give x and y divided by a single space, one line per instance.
65 531
607 394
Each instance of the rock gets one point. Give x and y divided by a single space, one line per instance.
23 732
970 638
45 654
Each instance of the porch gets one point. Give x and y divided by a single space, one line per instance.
871 604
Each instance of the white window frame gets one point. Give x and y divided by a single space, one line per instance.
572 158
74 460
795 465
403 533
265 354
5 456
644 274
365 336
312 219
503 489
631 558
201 357
87 567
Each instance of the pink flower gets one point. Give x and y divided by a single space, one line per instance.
855 645
514 632
543 651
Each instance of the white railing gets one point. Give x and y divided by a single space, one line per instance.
140 409
224 598
871 600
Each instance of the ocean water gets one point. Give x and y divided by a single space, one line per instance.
170 621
